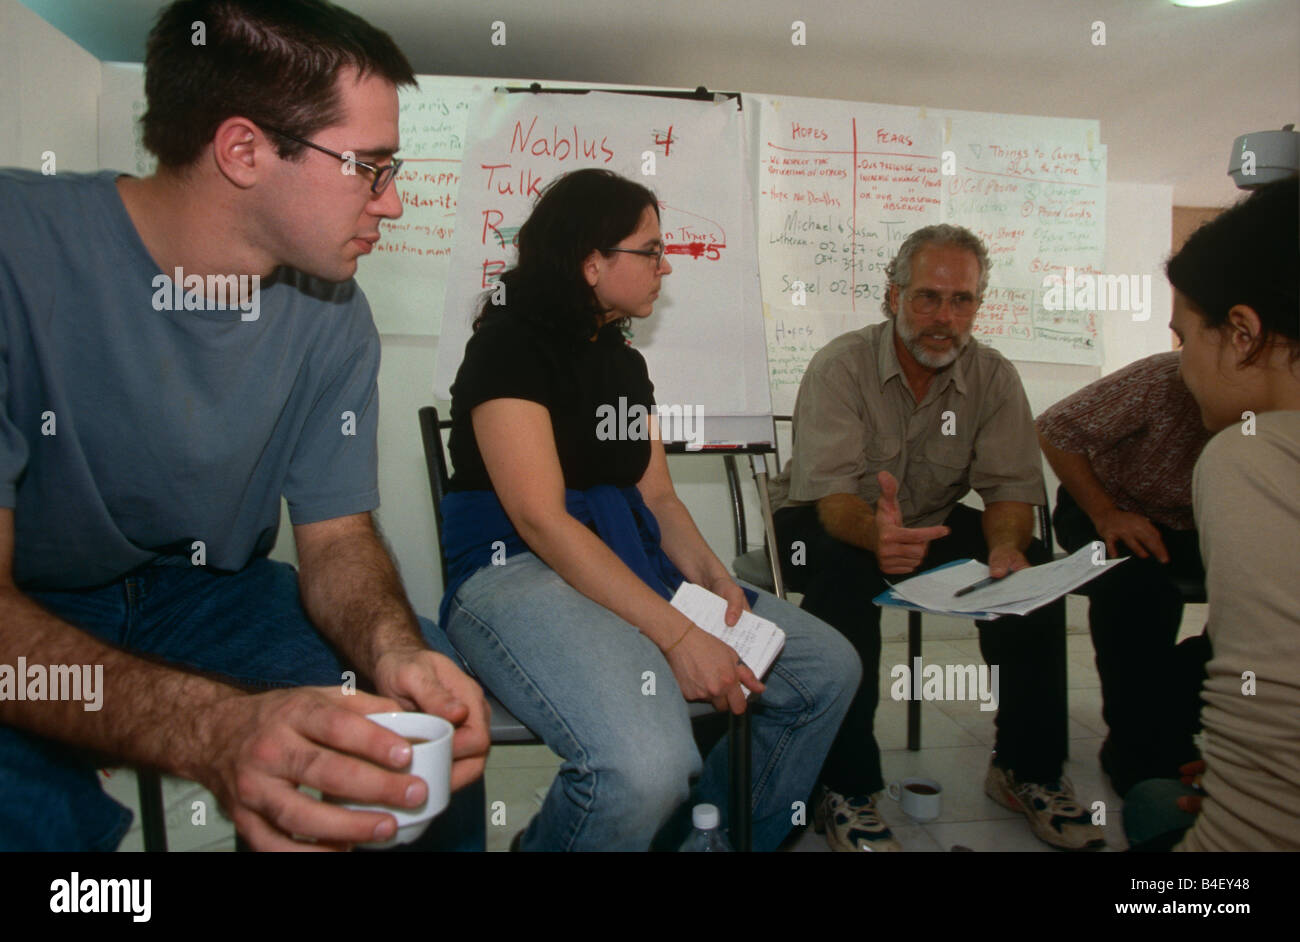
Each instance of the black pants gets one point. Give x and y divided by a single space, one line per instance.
1150 686
838 582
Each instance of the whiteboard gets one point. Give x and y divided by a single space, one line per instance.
404 277
841 184
704 342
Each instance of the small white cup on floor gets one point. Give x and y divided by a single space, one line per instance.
920 798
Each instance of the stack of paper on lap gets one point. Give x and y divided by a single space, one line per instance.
757 640
1018 593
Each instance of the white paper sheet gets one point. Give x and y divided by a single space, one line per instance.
756 640
1016 594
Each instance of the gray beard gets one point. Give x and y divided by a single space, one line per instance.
933 361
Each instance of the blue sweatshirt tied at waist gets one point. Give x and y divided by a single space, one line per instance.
473 520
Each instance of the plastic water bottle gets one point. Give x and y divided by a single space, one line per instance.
706 838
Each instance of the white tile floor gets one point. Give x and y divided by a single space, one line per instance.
956 737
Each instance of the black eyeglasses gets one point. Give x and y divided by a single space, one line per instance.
656 254
382 176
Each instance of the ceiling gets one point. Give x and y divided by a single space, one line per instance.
1172 87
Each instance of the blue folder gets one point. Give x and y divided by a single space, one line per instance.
889 598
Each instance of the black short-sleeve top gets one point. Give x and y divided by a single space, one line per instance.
589 387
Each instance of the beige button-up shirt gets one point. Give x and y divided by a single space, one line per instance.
855 416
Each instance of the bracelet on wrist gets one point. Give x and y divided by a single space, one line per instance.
679 640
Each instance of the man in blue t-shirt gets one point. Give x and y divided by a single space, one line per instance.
176 353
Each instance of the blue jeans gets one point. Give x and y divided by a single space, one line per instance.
579 676
248 627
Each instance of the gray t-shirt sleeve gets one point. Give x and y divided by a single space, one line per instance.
334 468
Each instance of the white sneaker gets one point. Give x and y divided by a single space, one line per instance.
853 824
1055 815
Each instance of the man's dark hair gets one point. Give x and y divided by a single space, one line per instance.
275 62
1248 255
579 213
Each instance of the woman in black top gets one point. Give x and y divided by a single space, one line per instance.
564 543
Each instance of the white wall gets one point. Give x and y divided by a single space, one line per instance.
49 94
1139 232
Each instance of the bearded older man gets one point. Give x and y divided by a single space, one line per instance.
893 425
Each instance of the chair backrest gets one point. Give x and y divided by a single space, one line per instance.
739 527
435 460
505 727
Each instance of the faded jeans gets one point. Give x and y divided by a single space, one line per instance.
580 677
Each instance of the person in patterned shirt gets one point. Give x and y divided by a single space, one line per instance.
1124 448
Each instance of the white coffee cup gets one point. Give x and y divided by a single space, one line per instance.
920 798
430 761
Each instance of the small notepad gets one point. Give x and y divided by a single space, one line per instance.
757 640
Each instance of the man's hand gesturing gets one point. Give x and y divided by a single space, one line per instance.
899 549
